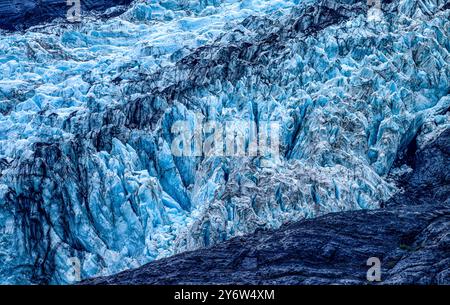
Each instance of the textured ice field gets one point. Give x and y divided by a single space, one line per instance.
86 112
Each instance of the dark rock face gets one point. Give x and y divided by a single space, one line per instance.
412 242
429 182
21 14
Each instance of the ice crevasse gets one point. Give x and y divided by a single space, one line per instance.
86 111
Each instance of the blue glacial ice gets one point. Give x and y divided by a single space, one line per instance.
86 111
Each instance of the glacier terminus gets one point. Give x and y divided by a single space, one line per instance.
340 92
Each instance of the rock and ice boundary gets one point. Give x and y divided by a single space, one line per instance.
87 173
409 239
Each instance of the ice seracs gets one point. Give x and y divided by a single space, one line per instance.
86 112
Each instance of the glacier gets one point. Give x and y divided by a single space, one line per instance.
86 110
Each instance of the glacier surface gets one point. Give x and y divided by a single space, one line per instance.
86 110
